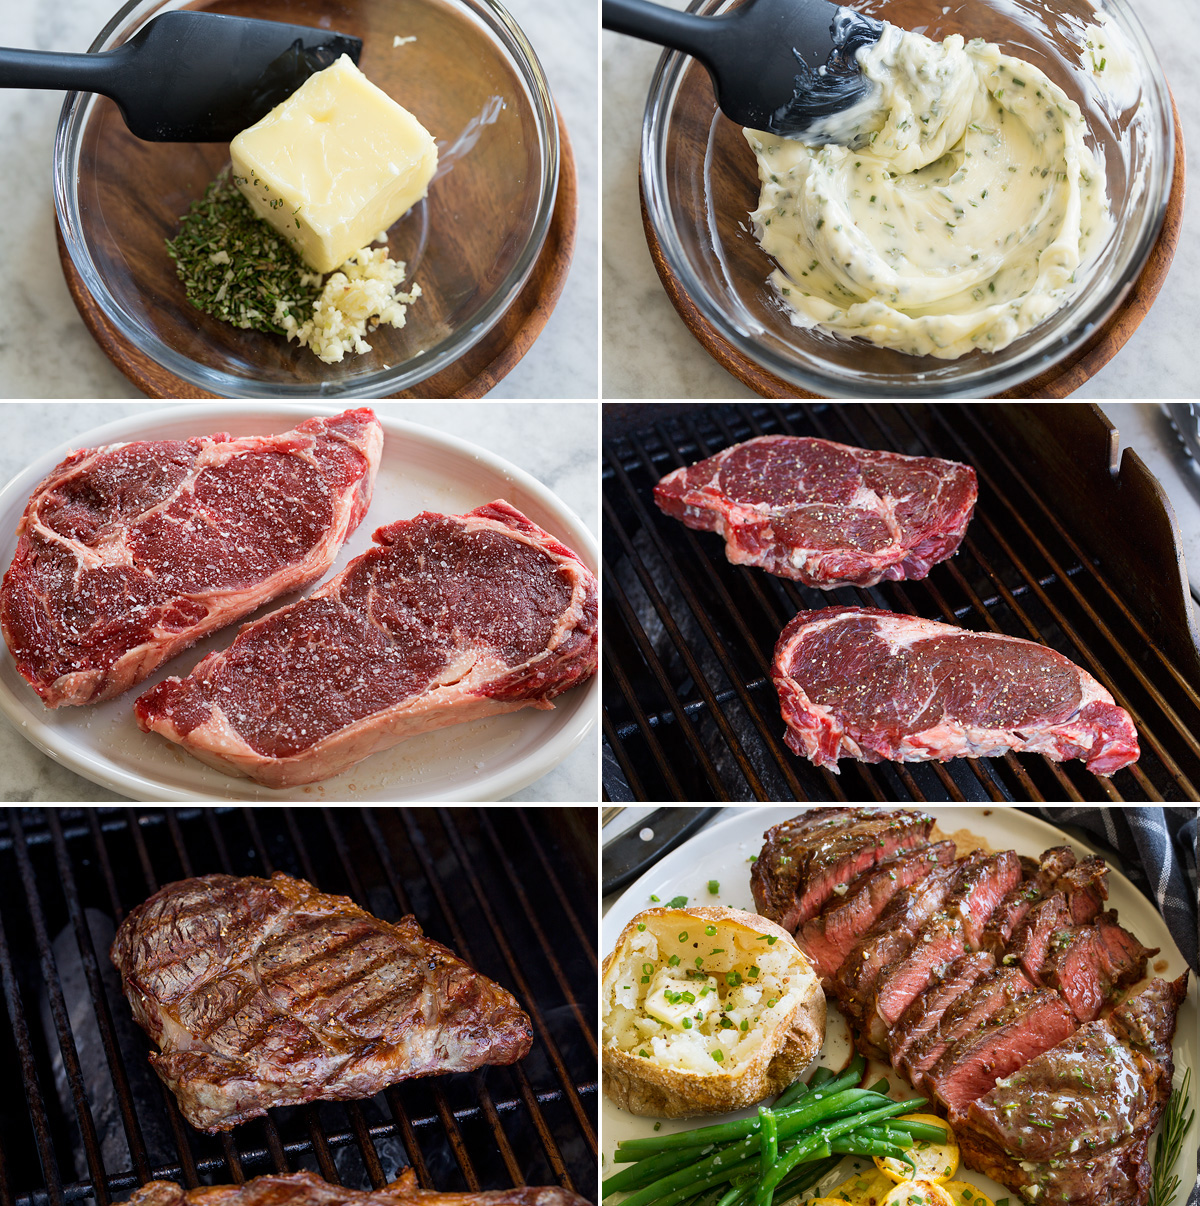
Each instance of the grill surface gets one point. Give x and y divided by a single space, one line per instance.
689 709
82 1115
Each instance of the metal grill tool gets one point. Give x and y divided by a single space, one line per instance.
1065 548
84 1118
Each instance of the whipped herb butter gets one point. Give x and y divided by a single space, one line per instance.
959 207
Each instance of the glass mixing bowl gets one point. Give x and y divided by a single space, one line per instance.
700 183
473 81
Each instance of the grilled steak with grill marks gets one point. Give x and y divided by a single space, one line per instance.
1105 1088
262 993
307 1189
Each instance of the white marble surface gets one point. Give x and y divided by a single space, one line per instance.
647 352
555 442
47 352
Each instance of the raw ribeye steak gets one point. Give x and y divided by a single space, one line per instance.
449 618
824 513
857 682
129 553
268 992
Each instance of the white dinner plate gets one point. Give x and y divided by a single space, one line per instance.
722 852
421 470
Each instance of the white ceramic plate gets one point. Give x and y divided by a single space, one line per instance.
421 470
722 853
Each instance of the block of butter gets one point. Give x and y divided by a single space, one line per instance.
334 165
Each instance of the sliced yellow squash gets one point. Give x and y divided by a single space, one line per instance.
918 1193
867 1188
965 1194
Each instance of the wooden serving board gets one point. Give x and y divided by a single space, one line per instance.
1060 381
471 376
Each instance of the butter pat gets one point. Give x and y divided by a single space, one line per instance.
334 164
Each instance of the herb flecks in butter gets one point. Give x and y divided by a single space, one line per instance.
956 208
236 267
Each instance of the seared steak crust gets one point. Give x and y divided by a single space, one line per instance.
307 1189
806 860
268 992
1104 1089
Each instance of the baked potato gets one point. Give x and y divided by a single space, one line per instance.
706 1010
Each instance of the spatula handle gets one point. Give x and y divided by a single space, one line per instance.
654 23
51 69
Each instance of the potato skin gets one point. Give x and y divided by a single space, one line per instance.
640 1086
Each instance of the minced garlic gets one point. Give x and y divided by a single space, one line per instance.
361 294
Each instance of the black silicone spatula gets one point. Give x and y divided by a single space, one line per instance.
776 65
189 76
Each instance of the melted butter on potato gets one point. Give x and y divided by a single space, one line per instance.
705 1010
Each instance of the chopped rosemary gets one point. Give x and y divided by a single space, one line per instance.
236 267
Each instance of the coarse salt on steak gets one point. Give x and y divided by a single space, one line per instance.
263 993
129 553
448 618
824 513
858 682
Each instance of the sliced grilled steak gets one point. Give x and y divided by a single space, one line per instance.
268 992
1105 1089
1013 908
307 1189
955 929
1089 964
969 1014
1086 889
828 938
888 940
1122 956
1018 1033
808 859
1031 942
926 1010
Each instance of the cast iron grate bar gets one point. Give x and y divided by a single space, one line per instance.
92 1121
690 712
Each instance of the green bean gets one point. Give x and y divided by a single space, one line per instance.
768 1149
830 1132
819 1077
882 1085
885 1134
646 1170
811 1109
855 1144
711 1178
723 1161
806 1176
792 1094
849 1076
924 1131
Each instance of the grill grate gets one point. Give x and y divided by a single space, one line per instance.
689 709
93 1121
